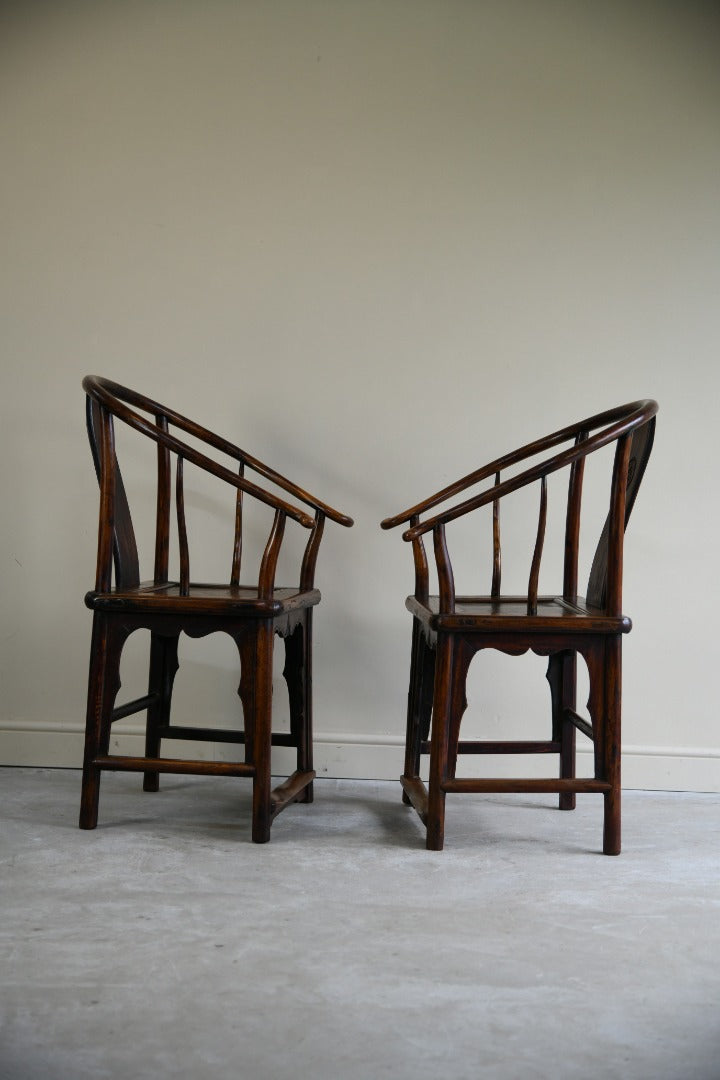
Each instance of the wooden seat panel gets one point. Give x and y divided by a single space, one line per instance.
509 614
203 599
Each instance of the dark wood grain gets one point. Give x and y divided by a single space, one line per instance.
497 550
268 565
238 536
182 529
162 516
422 578
253 613
533 583
572 523
307 570
449 629
446 579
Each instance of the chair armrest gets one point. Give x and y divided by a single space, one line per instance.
619 425
623 420
112 394
620 419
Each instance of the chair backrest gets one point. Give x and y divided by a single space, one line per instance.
117 546
641 442
124 546
631 427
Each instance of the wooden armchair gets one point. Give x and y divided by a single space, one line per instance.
449 629
250 614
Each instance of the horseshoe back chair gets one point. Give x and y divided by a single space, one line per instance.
250 614
448 629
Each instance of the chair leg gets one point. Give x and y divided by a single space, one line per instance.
298 676
462 655
604 668
256 656
611 745
103 684
419 709
441 718
568 733
163 666
562 677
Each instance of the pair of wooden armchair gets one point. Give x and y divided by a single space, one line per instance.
448 629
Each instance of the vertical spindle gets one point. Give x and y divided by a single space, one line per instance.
162 516
237 544
497 557
422 579
182 530
446 580
537 554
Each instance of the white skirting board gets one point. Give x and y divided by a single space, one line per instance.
364 757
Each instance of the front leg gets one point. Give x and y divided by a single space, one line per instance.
255 645
441 717
262 733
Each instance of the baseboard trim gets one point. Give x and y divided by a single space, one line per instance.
362 756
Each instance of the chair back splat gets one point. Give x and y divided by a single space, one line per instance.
252 614
449 629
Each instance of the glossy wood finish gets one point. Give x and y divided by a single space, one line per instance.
450 629
253 615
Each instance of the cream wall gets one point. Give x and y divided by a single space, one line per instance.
376 243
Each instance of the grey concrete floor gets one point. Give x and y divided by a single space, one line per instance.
165 944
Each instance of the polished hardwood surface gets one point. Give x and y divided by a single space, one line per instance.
450 629
251 613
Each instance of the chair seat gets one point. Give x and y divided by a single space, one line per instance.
203 599
508 614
